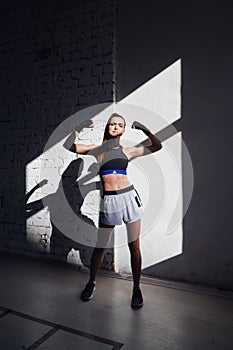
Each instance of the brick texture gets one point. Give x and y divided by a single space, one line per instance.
56 58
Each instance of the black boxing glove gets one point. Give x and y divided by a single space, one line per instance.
139 126
84 124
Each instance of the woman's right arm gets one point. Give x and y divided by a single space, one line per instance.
78 147
83 149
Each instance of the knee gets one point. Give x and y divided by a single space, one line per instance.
134 247
98 251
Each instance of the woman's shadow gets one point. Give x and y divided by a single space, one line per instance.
75 193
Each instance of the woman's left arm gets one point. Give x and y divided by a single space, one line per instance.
144 149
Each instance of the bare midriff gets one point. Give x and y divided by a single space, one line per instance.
114 182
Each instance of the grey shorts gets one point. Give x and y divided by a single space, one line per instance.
121 205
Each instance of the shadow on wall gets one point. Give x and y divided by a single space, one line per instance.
58 244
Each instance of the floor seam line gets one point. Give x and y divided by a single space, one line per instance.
6 312
216 293
42 339
56 327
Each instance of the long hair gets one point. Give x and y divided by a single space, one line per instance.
107 142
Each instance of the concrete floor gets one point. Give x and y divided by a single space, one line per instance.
40 308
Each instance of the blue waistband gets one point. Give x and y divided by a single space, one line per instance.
113 171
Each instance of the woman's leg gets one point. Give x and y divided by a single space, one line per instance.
133 230
104 235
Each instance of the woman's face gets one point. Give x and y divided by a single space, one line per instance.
116 126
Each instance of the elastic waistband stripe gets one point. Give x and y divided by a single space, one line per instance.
123 190
113 171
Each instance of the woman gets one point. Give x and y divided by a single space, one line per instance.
120 201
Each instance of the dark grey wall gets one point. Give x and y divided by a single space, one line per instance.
151 35
55 59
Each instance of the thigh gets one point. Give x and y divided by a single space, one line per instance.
104 236
133 230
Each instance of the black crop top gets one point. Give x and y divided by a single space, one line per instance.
114 161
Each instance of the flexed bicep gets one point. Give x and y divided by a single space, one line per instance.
84 149
144 148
